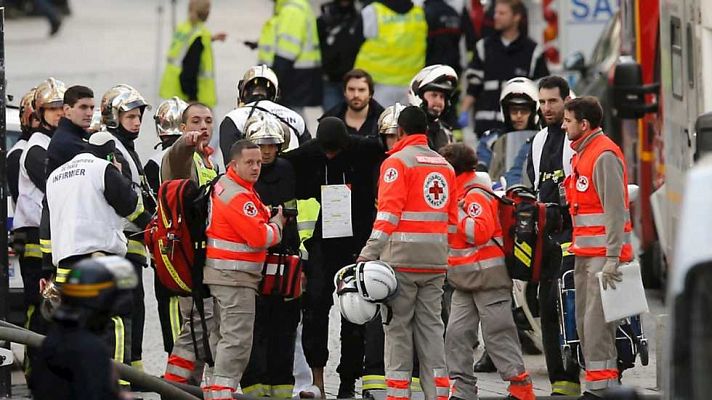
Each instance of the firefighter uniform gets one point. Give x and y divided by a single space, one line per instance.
180 161
289 44
598 202
239 233
171 84
394 50
416 210
482 294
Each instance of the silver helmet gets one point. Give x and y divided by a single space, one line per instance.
388 121
259 74
169 116
120 98
48 94
265 128
27 111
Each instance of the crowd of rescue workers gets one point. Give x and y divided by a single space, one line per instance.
384 210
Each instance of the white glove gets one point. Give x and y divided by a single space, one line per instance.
610 273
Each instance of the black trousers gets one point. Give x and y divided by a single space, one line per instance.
138 309
272 357
326 257
168 314
555 264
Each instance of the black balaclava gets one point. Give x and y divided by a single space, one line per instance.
331 134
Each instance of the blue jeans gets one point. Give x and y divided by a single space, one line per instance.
333 95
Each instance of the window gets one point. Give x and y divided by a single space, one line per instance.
676 54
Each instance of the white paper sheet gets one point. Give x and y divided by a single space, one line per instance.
628 298
336 211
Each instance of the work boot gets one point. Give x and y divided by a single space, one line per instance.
485 364
347 388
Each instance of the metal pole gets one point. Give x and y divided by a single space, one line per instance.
5 381
174 17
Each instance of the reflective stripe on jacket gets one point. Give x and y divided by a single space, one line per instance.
587 213
185 34
397 53
239 232
416 208
476 260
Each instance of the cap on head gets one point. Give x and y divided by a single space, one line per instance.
331 134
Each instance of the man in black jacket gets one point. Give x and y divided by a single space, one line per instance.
444 33
359 110
70 137
335 158
499 58
340 38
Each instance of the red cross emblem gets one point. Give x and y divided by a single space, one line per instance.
390 175
436 190
249 209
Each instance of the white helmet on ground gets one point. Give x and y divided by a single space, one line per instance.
437 77
376 281
520 91
354 308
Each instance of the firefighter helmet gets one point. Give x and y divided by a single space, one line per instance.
520 91
168 117
49 94
354 308
27 111
388 121
258 76
120 98
439 77
265 128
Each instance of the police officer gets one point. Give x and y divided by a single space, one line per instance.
416 210
597 193
122 109
499 152
394 51
289 44
499 58
548 163
482 285
78 361
167 120
258 90
431 89
269 372
91 191
192 77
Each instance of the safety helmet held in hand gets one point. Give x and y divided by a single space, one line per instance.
120 98
49 94
258 76
388 121
439 77
27 111
354 308
520 91
376 281
265 128
169 116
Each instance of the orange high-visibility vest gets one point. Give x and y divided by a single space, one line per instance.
589 233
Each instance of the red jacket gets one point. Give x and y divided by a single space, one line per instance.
417 209
239 232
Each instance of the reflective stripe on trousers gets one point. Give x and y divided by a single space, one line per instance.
442 384
601 374
374 382
119 334
566 388
398 385
178 369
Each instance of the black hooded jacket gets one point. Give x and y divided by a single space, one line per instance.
369 127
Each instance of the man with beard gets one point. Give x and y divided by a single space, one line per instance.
359 110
